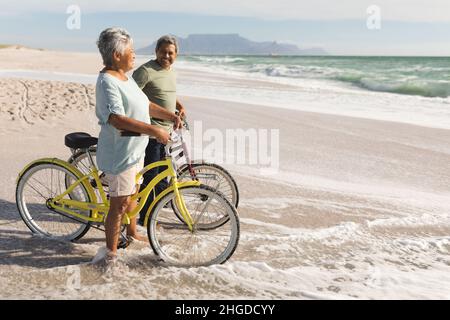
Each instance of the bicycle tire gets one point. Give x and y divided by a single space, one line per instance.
166 232
38 217
227 185
78 157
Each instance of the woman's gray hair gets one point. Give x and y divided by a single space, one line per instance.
113 40
167 39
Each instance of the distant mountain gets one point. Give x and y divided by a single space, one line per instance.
232 44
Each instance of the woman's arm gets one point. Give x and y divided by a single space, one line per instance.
161 113
124 123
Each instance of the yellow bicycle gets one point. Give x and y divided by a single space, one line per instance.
57 200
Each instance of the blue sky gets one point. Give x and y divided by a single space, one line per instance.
407 27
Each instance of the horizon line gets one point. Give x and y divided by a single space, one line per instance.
10 46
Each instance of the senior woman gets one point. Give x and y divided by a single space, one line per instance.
121 105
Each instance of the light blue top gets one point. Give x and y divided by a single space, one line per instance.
113 96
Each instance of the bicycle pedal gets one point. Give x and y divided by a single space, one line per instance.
123 244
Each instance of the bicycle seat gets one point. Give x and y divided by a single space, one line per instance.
79 140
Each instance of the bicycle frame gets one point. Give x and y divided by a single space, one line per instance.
183 146
99 209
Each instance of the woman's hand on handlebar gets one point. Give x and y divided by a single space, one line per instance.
162 136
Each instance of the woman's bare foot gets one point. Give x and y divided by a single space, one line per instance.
104 260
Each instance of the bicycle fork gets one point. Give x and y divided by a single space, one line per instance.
181 205
179 200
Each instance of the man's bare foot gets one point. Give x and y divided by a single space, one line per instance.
138 237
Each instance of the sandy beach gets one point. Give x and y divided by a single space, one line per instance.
359 208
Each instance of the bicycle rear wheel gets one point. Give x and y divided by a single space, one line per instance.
215 176
175 244
41 182
81 160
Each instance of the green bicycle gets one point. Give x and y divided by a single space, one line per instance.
57 200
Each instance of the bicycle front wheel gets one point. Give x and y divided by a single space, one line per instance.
40 183
175 244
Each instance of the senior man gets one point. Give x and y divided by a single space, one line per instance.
157 80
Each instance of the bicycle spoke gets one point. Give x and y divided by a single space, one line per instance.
36 186
203 244
40 194
50 191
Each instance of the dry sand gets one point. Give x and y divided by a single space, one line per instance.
359 208
58 61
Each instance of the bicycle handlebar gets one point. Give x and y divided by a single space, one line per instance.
173 139
125 133
184 120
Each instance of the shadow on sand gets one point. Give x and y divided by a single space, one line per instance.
19 246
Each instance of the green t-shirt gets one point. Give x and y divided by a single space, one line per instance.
159 85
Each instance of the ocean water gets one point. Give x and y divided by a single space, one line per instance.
413 90
419 76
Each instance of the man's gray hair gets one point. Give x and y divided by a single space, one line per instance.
113 40
167 39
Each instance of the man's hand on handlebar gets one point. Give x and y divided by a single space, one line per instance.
181 112
177 123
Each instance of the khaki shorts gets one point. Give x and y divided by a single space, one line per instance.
124 183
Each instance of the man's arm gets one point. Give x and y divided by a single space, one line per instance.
159 112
